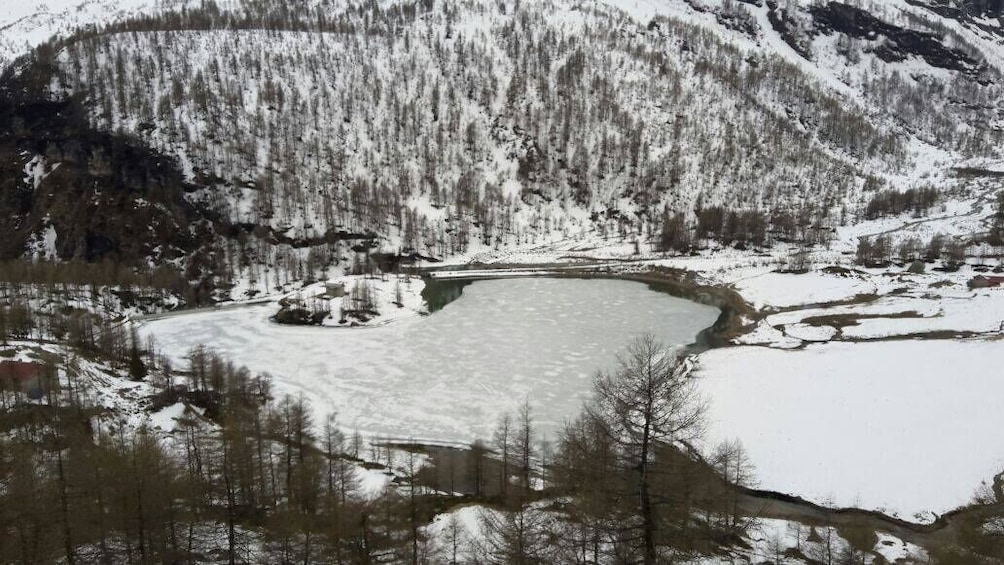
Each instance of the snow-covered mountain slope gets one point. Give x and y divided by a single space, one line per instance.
24 25
440 126
314 132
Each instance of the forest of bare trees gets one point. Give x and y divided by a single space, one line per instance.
251 477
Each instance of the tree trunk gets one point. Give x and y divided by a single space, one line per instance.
647 513
64 508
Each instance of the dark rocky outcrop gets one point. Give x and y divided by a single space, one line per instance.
739 19
971 13
787 27
963 9
107 197
897 43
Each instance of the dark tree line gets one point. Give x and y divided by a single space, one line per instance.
741 229
917 201
82 303
995 237
881 250
254 479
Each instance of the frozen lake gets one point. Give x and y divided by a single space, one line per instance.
449 376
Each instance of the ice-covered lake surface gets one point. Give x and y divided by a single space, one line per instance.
450 375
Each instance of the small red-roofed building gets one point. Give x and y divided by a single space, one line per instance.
982 281
24 376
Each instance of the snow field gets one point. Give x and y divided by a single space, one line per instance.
768 540
870 304
907 427
780 290
904 426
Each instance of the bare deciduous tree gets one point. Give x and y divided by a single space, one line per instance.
647 399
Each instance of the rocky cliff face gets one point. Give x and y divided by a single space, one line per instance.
894 43
965 10
100 196
983 8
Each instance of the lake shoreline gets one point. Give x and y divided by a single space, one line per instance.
735 317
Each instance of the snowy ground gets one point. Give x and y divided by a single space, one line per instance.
395 298
462 529
905 426
863 414
780 290
902 426
26 24
124 403
450 375
870 304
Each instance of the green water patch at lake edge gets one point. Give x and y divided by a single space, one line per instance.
440 292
